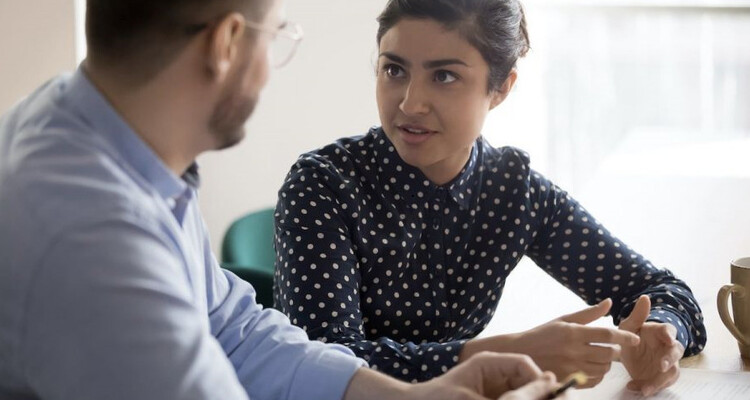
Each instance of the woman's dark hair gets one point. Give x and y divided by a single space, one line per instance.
497 28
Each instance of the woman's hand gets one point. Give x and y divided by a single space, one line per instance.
565 345
654 363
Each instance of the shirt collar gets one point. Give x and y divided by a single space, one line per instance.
463 187
410 186
129 148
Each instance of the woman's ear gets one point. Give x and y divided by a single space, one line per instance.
499 95
223 45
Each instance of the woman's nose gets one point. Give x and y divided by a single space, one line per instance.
415 101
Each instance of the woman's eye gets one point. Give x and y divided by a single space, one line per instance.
444 76
393 70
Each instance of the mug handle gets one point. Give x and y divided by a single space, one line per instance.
722 300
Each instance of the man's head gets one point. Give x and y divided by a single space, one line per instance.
146 35
136 42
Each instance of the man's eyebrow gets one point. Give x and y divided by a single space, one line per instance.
427 64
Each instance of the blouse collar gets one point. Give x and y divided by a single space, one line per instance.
409 186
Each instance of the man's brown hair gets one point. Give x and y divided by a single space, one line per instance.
143 36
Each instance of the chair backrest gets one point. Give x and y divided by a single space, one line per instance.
249 242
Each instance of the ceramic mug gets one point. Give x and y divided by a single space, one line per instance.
740 289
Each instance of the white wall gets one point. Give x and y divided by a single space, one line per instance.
326 92
37 41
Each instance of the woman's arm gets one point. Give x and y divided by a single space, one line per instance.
585 257
650 302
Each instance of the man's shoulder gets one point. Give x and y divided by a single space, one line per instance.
58 175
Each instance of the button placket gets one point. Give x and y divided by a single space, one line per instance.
436 256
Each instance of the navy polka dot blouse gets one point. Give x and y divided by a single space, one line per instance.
372 255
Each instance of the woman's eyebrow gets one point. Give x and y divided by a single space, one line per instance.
442 63
427 64
395 58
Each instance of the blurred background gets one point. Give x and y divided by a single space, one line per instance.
640 109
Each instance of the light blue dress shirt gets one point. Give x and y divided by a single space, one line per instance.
108 287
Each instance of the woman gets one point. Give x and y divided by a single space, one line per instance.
398 243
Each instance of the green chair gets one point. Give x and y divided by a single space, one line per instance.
247 251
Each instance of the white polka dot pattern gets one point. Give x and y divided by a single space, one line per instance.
372 255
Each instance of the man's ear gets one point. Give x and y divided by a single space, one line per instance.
499 95
223 45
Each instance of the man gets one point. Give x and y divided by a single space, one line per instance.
108 288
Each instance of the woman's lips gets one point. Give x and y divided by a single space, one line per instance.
411 134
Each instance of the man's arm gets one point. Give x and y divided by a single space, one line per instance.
273 358
111 315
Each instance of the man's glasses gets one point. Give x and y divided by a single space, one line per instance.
284 42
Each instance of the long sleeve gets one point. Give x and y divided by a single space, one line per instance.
578 251
319 283
108 286
112 317
274 359
128 323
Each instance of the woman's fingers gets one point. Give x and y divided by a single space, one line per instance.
602 354
588 314
673 356
650 386
638 316
610 336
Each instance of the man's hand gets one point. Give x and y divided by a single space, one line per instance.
565 345
538 389
652 364
487 376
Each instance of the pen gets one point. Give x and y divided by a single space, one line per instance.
574 379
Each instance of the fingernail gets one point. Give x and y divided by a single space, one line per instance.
647 390
664 365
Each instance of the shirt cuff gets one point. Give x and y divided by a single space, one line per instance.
669 317
325 374
438 358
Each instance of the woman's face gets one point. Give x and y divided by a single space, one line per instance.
432 96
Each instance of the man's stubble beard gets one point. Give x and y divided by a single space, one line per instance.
227 123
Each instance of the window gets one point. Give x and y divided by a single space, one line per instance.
641 109
605 78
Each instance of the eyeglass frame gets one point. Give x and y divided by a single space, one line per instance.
290 30
295 36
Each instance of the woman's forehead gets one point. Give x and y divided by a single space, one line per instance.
427 39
